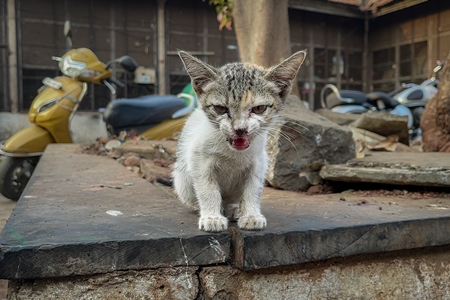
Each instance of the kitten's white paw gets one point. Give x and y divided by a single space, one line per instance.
252 222
213 224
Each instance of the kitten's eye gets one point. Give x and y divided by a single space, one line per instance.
220 109
259 109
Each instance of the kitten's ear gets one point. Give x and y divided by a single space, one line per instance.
201 73
284 73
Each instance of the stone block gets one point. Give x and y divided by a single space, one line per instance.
385 124
402 168
301 144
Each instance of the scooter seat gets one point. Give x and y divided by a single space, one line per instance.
147 110
388 101
357 98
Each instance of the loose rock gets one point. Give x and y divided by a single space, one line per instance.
385 124
303 142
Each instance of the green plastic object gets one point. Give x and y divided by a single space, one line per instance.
188 89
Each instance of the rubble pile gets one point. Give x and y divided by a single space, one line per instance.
151 159
307 152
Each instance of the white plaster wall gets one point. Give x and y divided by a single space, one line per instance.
86 126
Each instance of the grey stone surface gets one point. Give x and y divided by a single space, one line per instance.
423 169
68 223
307 229
302 144
385 124
85 214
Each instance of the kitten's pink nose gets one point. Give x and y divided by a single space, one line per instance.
240 132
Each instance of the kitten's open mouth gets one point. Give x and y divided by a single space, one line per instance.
239 143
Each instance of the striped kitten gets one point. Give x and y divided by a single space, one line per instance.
221 158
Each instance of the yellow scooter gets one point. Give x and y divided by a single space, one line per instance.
52 109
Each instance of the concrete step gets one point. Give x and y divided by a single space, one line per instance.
83 214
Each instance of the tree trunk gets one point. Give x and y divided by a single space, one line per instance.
262 32
435 121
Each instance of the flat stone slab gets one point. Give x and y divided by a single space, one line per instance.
399 168
305 228
83 214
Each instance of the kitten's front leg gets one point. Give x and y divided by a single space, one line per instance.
210 203
251 217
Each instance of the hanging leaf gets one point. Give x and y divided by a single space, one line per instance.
224 10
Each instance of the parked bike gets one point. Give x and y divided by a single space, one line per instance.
409 100
416 96
57 100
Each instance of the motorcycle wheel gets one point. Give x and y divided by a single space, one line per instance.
15 172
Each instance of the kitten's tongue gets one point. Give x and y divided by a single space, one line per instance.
240 143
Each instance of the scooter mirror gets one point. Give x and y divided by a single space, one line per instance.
67 29
128 63
68 34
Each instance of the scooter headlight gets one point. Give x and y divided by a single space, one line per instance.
70 67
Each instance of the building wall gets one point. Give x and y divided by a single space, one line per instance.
3 57
327 38
109 28
192 26
405 45
112 29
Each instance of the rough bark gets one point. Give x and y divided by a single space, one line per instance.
435 121
262 32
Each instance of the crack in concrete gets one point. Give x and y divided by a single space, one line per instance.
215 245
350 244
187 265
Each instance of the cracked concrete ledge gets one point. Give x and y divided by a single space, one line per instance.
288 248
418 274
99 218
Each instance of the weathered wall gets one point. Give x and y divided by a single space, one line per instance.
86 127
412 277
174 283
419 274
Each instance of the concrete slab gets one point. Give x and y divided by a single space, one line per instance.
422 169
84 214
6 207
313 228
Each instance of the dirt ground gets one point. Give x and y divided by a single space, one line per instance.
6 207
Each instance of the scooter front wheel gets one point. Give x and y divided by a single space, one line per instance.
15 172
